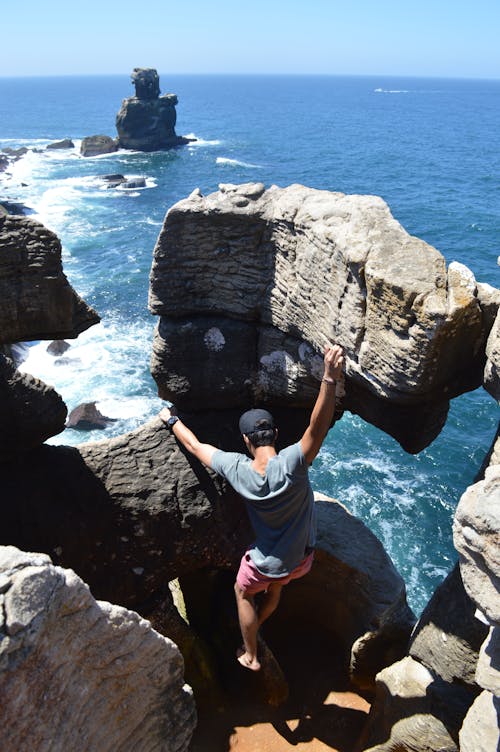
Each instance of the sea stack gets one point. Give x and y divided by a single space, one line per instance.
146 122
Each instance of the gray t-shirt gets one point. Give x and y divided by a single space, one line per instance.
280 505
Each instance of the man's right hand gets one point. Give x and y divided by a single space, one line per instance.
334 361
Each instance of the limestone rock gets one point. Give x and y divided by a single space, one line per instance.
76 673
146 122
488 665
265 277
86 417
476 536
448 636
492 368
92 146
30 411
414 711
480 730
37 300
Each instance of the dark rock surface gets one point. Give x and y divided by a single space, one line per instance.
146 122
58 347
66 143
30 412
37 300
86 417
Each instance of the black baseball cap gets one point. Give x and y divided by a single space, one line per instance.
256 420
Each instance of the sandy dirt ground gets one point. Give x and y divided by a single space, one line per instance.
321 713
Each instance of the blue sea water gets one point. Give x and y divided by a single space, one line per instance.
429 147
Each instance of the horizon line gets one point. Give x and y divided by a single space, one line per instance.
457 77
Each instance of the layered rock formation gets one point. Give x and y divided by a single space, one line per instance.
445 695
263 278
37 300
146 122
76 673
477 538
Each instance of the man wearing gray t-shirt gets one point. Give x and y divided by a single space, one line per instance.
278 497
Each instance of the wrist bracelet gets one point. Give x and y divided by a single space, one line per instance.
328 381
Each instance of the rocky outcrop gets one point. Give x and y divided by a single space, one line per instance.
448 636
492 368
86 417
30 411
351 569
265 277
476 535
411 712
66 143
93 146
146 122
133 513
37 300
444 695
76 673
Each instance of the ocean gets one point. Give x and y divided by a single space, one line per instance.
429 147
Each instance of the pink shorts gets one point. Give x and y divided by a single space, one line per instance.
251 581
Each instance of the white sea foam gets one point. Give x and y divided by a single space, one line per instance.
391 91
235 163
107 364
201 141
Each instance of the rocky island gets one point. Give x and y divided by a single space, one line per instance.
263 277
145 122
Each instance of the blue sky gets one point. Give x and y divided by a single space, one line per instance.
391 37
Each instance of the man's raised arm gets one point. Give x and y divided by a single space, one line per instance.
203 452
322 414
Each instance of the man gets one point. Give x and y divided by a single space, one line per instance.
279 501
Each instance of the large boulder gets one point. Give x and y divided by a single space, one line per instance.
146 122
76 673
480 729
476 537
30 411
263 278
37 300
363 595
94 146
414 711
448 635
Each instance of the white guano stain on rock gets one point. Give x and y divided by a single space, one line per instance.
214 339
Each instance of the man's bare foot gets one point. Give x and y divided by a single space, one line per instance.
246 660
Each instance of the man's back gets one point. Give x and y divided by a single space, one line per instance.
280 505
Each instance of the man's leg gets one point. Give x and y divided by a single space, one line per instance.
249 625
269 601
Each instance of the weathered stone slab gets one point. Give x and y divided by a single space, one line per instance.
292 269
480 730
80 674
37 300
